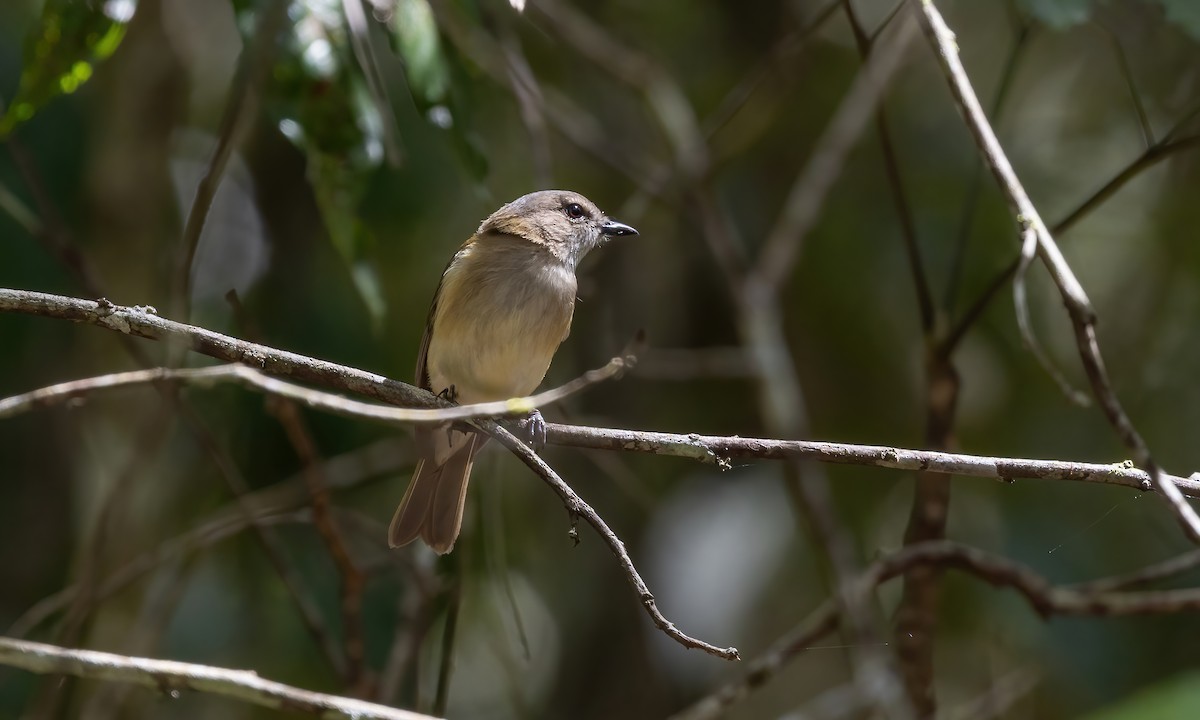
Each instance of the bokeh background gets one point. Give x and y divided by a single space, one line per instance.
368 145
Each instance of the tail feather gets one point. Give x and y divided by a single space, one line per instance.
432 508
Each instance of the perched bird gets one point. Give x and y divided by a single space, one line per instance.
499 314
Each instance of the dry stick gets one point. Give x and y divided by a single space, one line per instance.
710 449
716 450
139 322
971 203
171 678
577 508
308 397
1083 317
1166 148
720 450
1046 599
1029 245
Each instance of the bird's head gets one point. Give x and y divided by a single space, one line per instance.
566 223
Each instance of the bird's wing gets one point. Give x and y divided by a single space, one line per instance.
422 371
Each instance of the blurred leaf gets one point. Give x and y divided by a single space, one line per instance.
1185 14
62 49
1175 697
1060 14
321 101
416 40
429 72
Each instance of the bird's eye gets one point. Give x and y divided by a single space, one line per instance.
575 211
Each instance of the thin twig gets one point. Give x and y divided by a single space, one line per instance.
1166 148
1046 599
1083 316
1029 244
172 678
711 449
971 203
577 508
720 451
140 322
1127 75
316 399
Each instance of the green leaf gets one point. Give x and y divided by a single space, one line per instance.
62 49
1185 14
1060 14
415 34
1176 697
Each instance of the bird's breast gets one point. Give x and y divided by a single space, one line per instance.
499 319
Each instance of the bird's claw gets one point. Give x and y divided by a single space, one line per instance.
534 428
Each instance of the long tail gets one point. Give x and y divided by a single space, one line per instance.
432 508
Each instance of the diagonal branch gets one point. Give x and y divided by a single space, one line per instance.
1046 599
1079 307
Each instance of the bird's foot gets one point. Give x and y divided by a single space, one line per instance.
534 428
450 393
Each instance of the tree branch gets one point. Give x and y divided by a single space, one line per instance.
720 450
171 677
316 399
711 449
1079 307
144 322
1048 600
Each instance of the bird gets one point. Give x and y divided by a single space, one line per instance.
500 312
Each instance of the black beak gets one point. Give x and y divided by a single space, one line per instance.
612 228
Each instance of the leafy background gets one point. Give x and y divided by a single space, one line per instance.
353 180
